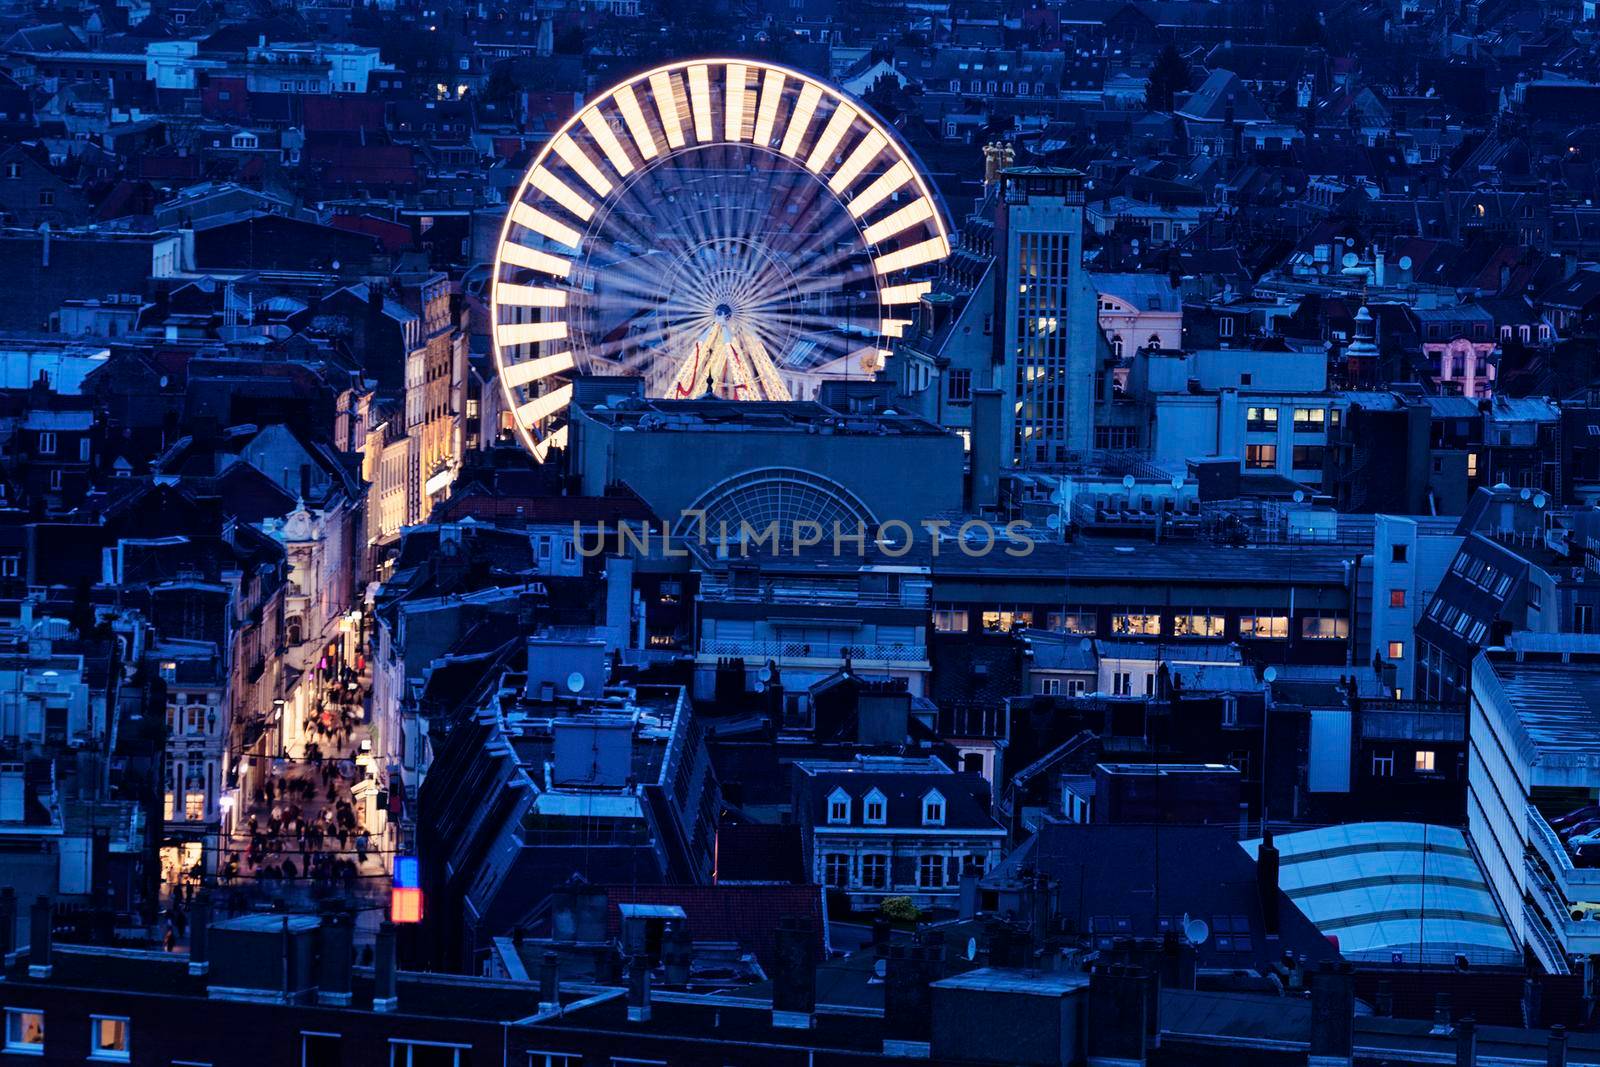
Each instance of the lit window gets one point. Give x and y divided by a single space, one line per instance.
1397 598
1261 457
1397 650
1136 623
1425 761
950 620
194 806
25 1031
1325 626
1268 625
108 1037
1197 623
1261 419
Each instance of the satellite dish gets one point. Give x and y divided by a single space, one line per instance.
1539 500
1270 674
1127 481
1350 259
761 687
1057 497
1177 481
765 674
972 948
880 968
1526 494
1195 930
1405 262
575 682
1299 496
1086 644
1053 521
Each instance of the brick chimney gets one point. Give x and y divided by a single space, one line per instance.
41 933
384 997
794 977
1333 1003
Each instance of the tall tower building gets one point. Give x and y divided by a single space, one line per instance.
1046 336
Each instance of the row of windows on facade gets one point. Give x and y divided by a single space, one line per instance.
1306 420
1265 457
875 808
841 870
108 1035
49 443
1268 623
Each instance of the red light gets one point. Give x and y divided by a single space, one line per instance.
405 905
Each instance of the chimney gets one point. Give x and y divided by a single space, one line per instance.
1333 1002
337 938
549 981
1466 1042
1441 1013
677 953
987 451
199 935
794 978
383 970
1384 1006
969 893
1267 863
1116 1023
907 998
1556 1051
638 990
8 921
41 932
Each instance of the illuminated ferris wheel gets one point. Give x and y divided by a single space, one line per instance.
716 226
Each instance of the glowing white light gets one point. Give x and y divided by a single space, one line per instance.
600 130
865 152
517 375
545 226
767 113
908 293
913 255
528 333
832 134
539 408
899 222
633 115
700 102
664 87
733 102
529 296
582 165
562 193
805 109
881 188
523 256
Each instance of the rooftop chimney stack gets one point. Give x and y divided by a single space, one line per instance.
39 945
8 921
794 979
383 977
1267 864
907 998
1466 1042
1333 1003
1116 1021
337 938
638 990
200 935
550 981
1556 1051
1441 1014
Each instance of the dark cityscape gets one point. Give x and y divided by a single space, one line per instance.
800 533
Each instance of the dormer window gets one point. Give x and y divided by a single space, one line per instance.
933 809
875 809
839 807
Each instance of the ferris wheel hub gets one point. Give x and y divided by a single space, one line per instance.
723 312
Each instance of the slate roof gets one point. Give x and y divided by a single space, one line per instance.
966 796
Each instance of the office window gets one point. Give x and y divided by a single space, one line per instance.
1261 420
1325 626
836 869
1424 764
108 1037
1309 420
1072 621
959 384
930 872
1004 621
1397 650
1193 622
1133 621
428 1054
1264 625
1383 766
1307 457
1261 457
25 1031
875 872
950 620
1397 598
319 1049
